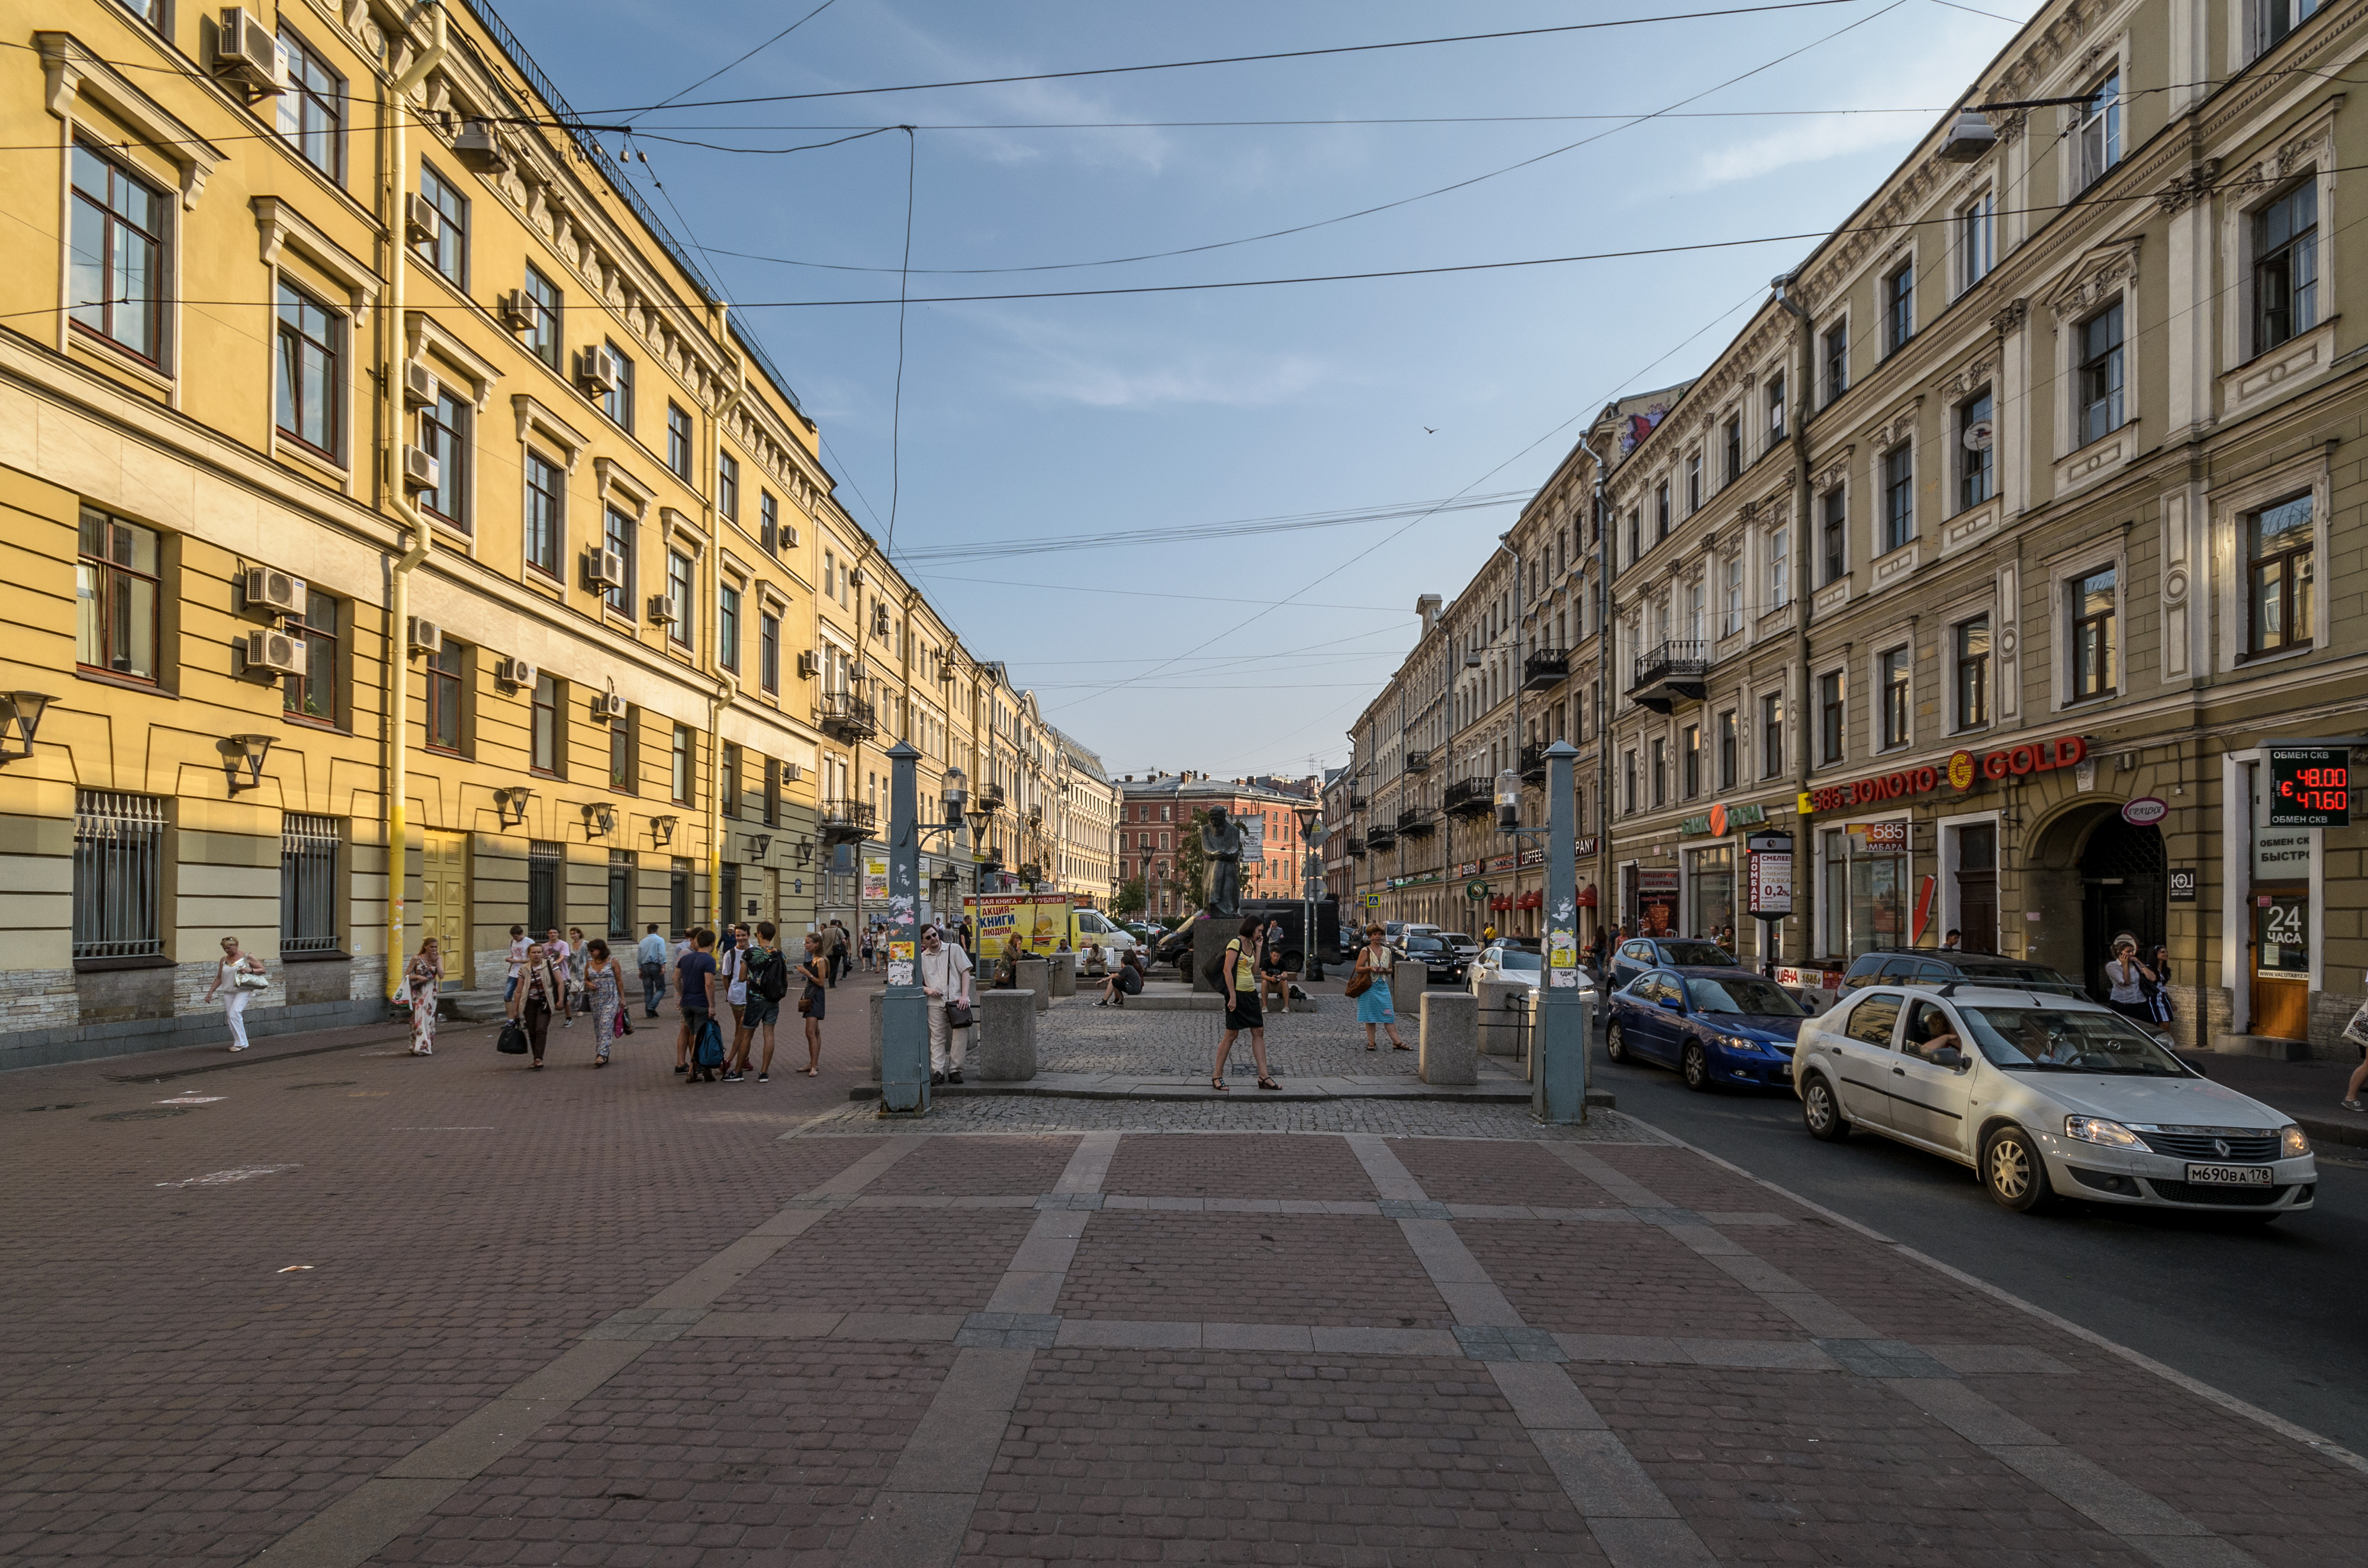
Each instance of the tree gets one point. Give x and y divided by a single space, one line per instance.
1192 864
1133 898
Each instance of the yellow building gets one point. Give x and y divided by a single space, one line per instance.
391 506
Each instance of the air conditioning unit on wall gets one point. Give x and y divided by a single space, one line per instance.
422 224
271 655
514 672
515 310
420 470
596 369
420 387
426 637
809 665
248 54
603 569
608 707
275 593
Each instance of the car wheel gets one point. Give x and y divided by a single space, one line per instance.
2013 1171
1615 1044
1821 1113
1695 1065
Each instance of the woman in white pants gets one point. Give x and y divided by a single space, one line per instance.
945 979
235 966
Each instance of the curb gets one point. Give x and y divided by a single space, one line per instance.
1510 1095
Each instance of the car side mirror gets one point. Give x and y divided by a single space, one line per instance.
1949 1056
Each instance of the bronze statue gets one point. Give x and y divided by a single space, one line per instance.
1221 840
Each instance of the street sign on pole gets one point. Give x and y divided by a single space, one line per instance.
1562 1009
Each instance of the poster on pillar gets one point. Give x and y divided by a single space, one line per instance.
875 879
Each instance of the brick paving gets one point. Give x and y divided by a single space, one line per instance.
349 1307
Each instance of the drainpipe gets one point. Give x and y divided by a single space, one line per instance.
423 540
1603 681
1804 534
722 694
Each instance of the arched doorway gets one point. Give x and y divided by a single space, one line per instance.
2124 874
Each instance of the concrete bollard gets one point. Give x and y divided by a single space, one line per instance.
1408 983
1064 975
1444 1054
1036 975
1504 1005
1006 1053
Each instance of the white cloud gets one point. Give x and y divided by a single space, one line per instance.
1102 370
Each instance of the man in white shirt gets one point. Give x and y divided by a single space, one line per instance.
652 955
518 948
945 978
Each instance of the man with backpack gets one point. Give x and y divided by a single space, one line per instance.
835 952
699 1049
766 971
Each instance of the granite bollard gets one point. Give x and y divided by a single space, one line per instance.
1444 1053
1036 975
1504 1008
1006 1052
1064 975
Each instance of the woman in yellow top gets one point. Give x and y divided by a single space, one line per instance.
1237 978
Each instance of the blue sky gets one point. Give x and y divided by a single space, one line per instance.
1121 419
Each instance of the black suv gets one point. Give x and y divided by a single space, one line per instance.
1929 967
1439 960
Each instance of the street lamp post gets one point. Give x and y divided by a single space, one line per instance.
1312 833
903 1011
1558 1027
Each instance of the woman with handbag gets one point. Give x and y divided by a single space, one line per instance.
816 971
423 977
542 991
946 982
1370 986
242 974
604 993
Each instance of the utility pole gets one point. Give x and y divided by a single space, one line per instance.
1564 1004
903 1011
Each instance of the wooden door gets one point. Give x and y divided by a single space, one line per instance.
2282 964
444 902
1977 887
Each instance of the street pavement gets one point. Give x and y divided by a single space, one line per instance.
357 1307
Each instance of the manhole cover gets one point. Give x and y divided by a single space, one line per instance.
149 1113
61 1104
327 1084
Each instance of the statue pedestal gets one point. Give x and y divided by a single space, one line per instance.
1209 939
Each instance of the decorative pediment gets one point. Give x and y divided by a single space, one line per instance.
1968 379
1835 471
283 228
2097 275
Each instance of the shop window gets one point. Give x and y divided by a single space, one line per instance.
2280 570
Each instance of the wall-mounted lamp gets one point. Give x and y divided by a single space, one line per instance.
662 830
20 715
241 754
805 851
599 820
759 843
509 804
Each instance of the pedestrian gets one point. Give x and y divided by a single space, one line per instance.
946 983
652 954
732 971
542 991
2126 980
964 934
604 997
1954 942
519 946
834 950
766 973
1007 967
1125 980
421 979
1489 933
240 974
695 992
574 961
813 970
1273 978
1371 985
1238 969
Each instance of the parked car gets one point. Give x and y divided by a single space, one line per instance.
1465 947
2046 1095
1439 960
1717 1026
1498 961
1898 967
1637 954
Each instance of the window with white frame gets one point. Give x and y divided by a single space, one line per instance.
1734 449
1693 482
2098 136
1977 238
1969 647
2274 20
2099 406
1731 574
1775 554
2285 267
1837 360
1898 496
1976 448
1898 306
2092 667
2279 574
1776 409
1772 734
1833 537
1894 666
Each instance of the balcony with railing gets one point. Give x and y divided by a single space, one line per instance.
1473 797
1382 835
1418 762
846 822
1356 848
1418 822
848 717
1533 763
1670 674
1545 669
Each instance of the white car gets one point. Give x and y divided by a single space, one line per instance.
1516 965
2046 1096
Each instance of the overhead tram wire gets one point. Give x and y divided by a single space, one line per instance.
752 54
1248 59
1194 533
1419 196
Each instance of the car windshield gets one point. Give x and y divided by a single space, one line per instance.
1455 938
1425 945
2068 1040
1513 958
1743 994
1703 953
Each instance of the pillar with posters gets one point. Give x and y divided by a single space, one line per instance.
1768 886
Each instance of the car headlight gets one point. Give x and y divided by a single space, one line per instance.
1737 1042
2293 1142
2096 1130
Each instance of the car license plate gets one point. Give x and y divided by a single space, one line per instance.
2229 1176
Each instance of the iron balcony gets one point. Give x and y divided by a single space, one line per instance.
1533 763
1417 823
846 822
1382 835
848 717
1545 669
1670 674
1473 797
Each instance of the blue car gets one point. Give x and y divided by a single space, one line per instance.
1637 954
1716 1025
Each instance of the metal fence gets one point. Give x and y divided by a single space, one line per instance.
308 885
119 875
